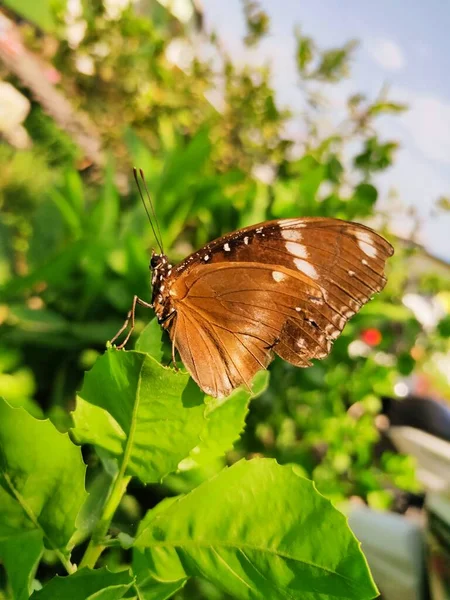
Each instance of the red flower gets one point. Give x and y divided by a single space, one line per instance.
372 336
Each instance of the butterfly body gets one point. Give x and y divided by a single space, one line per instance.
283 287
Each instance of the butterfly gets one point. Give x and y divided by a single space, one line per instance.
285 287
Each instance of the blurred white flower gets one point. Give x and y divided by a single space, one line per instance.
183 10
101 49
14 108
401 389
325 190
428 311
384 359
442 362
264 173
115 8
180 53
75 24
358 348
85 64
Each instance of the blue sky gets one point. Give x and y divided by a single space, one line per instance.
404 44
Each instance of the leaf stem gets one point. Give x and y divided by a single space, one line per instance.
96 545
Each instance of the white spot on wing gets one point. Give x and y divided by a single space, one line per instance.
364 236
306 267
292 235
364 262
246 240
298 309
297 250
291 223
368 249
351 273
226 247
301 343
206 257
342 322
278 276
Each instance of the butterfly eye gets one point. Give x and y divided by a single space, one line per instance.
154 261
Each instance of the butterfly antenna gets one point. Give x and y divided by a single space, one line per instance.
141 172
146 209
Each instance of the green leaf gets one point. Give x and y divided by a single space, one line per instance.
134 407
98 488
159 572
39 13
305 52
443 327
41 478
20 554
105 214
152 342
257 530
365 195
386 108
334 64
87 584
225 422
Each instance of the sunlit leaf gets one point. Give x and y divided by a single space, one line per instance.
134 407
225 421
87 584
39 13
258 530
41 478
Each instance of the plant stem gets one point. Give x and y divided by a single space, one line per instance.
69 567
96 547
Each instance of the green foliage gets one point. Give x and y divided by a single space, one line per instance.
40 13
375 156
330 65
251 543
87 584
257 22
20 554
74 249
232 530
40 471
127 399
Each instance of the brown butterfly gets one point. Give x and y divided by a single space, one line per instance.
285 287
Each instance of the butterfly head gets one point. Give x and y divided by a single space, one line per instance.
161 270
160 267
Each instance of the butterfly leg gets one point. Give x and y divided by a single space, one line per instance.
174 360
130 317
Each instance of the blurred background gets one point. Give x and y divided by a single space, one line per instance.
240 112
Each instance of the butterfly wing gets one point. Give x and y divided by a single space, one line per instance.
286 286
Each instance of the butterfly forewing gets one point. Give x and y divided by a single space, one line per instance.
286 286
